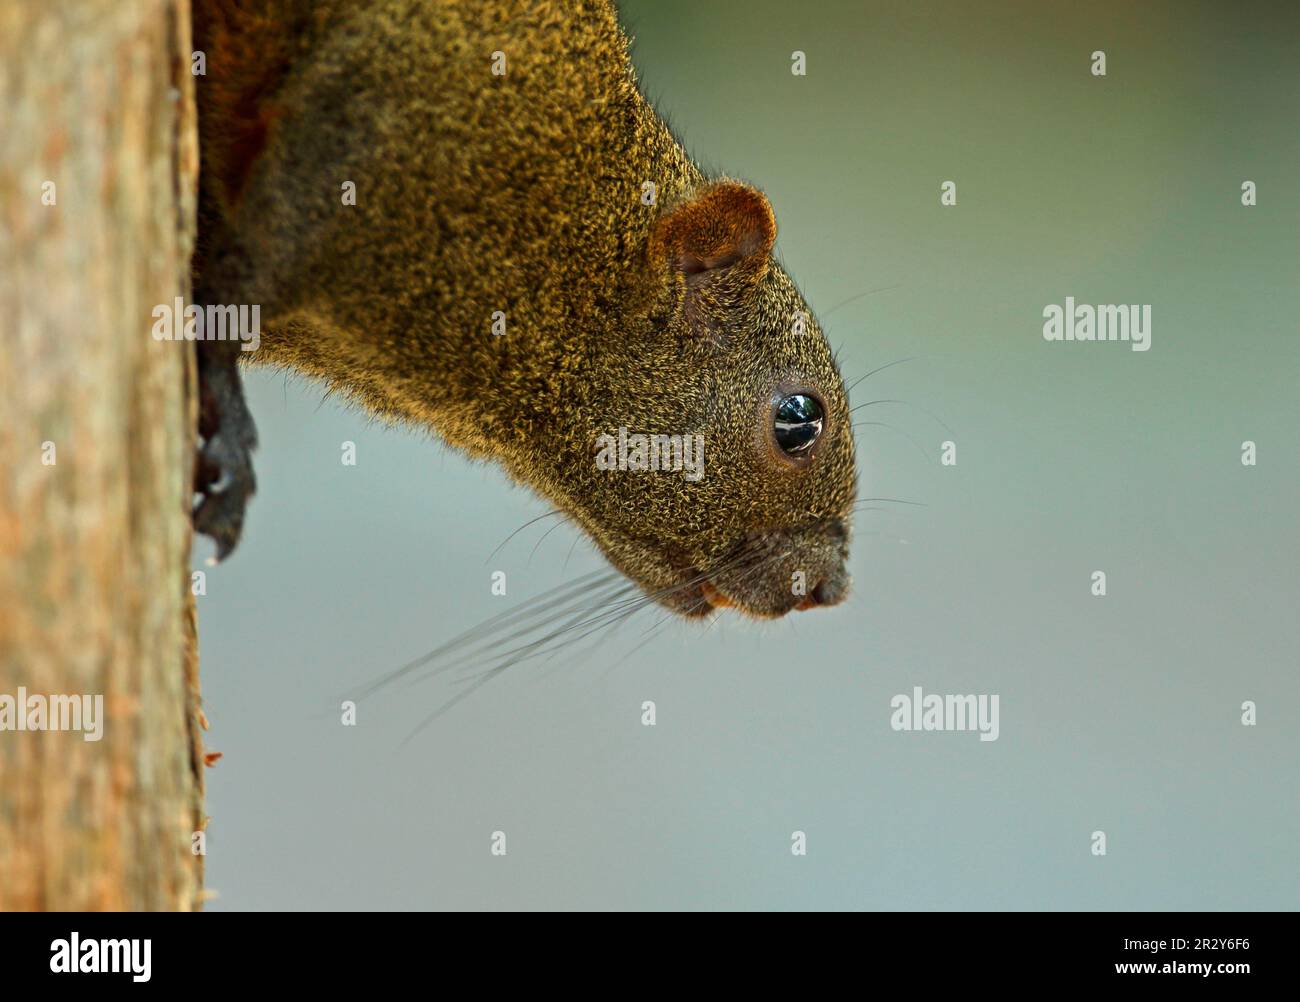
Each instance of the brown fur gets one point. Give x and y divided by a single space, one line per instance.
520 193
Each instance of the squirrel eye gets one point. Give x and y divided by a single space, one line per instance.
798 423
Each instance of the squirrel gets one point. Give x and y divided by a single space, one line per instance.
530 264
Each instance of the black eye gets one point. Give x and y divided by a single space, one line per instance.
798 423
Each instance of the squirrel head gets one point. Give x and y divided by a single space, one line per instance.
711 453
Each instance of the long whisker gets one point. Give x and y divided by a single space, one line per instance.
907 403
598 618
579 654
849 389
860 295
475 685
882 424
569 556
529 609
481 681
577 617
462 695
484 658
918 504
586 617
573 610
543 539
512 535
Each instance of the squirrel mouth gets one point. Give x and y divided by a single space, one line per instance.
695 595
698 594
713 597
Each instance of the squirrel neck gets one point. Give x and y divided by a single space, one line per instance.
577 288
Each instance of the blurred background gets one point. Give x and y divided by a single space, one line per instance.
1120 714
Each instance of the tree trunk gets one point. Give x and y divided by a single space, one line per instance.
96 443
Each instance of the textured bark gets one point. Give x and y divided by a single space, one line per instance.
97 97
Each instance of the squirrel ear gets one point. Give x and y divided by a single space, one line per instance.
727 226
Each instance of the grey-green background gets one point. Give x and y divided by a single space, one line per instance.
1119 714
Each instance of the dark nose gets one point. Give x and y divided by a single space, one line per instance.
830 590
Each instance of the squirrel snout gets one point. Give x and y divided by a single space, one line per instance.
832 590
808 570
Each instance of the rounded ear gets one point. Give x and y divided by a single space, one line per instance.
729 225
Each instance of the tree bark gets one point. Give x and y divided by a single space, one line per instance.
96 96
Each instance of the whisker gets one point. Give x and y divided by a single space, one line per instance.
466 693
460 696
599 618
512 535
607 594
569 555
576 619
606 611
582 653
609 607
538 648
849 389
652 631
907 403
483 657
918 504
882 424
532 607
543 539
713 622
860 295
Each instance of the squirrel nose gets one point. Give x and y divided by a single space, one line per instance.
830 590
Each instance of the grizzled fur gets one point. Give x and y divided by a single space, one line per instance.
522 193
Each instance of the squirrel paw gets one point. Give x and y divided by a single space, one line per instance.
223 467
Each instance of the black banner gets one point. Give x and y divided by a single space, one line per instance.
1226 951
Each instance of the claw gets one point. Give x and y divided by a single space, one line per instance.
223 469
